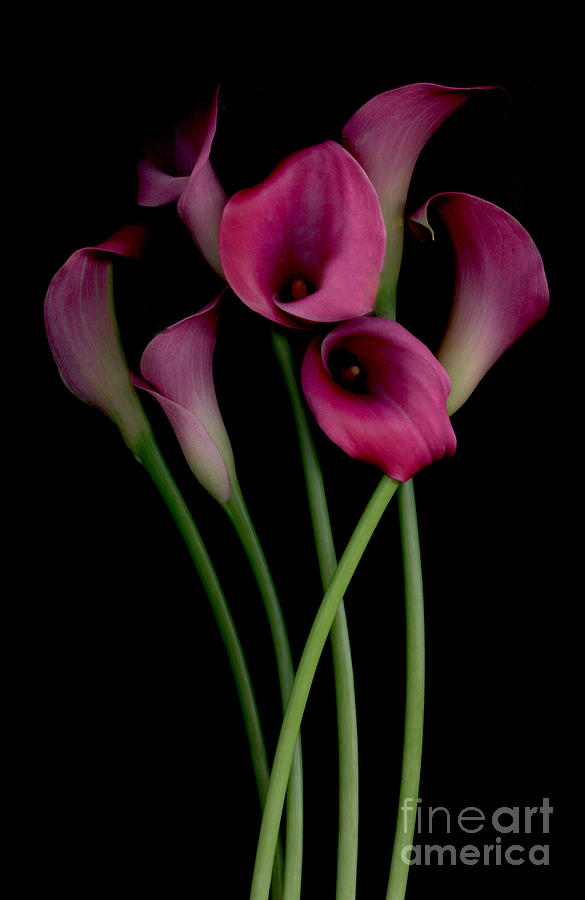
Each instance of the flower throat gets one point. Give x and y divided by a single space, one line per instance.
347 371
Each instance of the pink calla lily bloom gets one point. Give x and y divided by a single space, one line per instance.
177 368
386 136
500 287
307 244
379 394
180 170
82 331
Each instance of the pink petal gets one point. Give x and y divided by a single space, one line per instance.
386 136
316 220
82 331
155 187
395 417
129 241
200 207
177 368
180 170
169 163
500 288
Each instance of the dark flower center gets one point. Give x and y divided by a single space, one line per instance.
295 289
347 371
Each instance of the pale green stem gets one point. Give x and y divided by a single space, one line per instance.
386 301
415 690
386 297
415 645
302 684
148 453
347 848
238 514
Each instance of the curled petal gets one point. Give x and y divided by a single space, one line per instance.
82 331
169 163
386 136
155 187
179 169
177 368
380 395
307 244
500 286
128 242
200 207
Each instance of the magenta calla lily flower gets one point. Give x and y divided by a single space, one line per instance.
307 244
81 327
177 368
386 136
379 394
500 288
180 170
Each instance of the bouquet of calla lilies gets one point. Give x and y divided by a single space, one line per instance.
315 249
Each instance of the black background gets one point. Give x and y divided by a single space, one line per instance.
131 764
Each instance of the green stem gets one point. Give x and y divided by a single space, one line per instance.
302 684
149 454
415 689
238 514
347 847
415 638
386 301
386 297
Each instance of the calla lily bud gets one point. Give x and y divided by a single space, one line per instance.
81 327
380 395
386 136
180 170
500 286
307 244
177 368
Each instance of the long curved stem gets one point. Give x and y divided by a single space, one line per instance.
302 684
415 689
347 847
149 454
238 513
